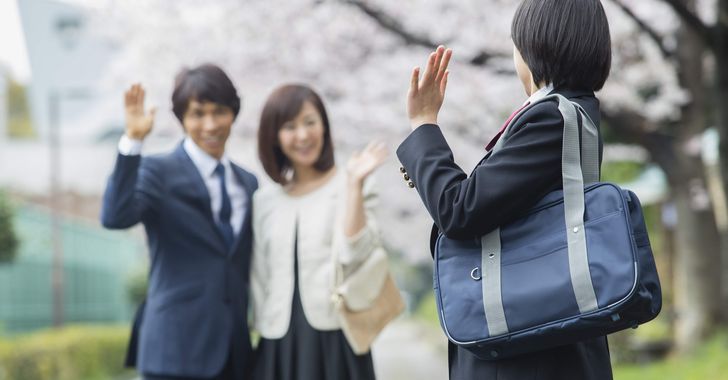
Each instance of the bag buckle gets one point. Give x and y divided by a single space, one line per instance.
475 274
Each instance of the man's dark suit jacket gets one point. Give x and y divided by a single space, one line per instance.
196 309
501 188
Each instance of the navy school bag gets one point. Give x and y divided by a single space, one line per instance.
577 266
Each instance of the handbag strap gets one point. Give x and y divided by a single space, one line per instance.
578 165
573 184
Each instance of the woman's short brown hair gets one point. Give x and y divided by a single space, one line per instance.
282 106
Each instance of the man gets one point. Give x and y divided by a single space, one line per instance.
195 206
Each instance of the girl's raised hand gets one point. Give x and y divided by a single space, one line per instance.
426 94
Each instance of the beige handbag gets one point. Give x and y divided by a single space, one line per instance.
366 299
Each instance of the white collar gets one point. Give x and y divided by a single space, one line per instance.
540 94
205 163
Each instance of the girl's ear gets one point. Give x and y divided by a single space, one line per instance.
524 73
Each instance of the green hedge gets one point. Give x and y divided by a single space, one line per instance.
8 237
71 353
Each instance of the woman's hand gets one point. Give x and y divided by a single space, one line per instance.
363 163
359 167
138 122
425 95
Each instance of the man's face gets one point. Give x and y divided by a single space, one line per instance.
208 124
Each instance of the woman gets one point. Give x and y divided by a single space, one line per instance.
561 46
297 226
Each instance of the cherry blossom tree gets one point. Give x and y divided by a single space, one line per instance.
692 43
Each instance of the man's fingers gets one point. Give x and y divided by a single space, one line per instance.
131 95
140 99
134 94
443 65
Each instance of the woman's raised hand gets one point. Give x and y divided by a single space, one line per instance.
138 122
363 163
426 94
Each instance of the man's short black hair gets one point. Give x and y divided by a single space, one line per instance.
564 42
205 83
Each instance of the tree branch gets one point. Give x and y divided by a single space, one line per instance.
637 129
693 21
390 24
667 54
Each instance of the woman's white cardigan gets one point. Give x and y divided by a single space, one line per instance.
318 218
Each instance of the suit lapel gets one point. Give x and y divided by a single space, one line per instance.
195 190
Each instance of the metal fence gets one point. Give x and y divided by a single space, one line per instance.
97 268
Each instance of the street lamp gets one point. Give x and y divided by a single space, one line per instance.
68 29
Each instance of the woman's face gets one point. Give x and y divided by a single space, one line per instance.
524 73
302 138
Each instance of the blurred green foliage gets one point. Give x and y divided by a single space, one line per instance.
649 342
414 278
8 239
19 122
136 286
70 353
708 362
427 311
621 171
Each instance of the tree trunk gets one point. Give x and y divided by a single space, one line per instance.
697 281
721 122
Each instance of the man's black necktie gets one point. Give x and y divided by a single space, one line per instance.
225 209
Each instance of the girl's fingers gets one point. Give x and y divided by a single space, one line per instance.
414 80
429 72
445 62
443 83
438 58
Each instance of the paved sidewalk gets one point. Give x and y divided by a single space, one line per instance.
410 350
